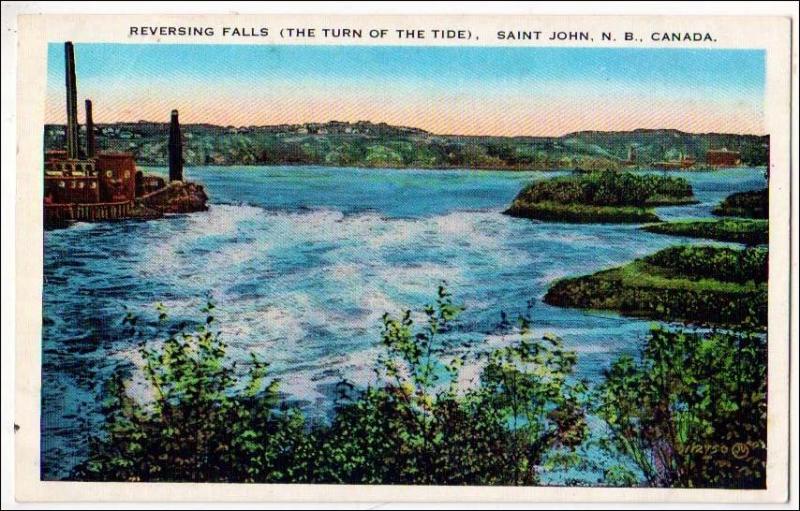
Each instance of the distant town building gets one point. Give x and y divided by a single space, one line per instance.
683 162
723 157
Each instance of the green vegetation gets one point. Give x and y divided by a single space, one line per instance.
692 412
600 197
753 204
365 144
749 232
702 285
582 214
414 426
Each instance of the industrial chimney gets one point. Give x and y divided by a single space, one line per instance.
175 149
72 102
90 149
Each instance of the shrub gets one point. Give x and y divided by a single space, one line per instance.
693 411
199 425
415 426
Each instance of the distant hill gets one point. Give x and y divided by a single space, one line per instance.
366 144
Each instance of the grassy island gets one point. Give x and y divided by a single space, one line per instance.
753 204
737 230
701 285
600 197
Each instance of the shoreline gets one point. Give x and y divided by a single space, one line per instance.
456 168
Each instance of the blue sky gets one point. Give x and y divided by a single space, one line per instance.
471 90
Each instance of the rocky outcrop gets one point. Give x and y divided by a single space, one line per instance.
177 197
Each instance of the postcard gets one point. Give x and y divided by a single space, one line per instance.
402 258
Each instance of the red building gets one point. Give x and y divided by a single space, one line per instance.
82 185
108 178
723 157
117 177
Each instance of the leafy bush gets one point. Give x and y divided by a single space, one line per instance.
415 426
198 425
692 413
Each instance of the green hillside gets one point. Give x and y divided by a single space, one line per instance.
365 144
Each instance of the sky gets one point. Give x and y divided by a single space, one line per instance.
445 90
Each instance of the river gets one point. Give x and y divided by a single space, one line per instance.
302 262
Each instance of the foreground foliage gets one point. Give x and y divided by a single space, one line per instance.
694 284
693 411
414 426
690 412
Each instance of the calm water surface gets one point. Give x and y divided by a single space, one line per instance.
302 262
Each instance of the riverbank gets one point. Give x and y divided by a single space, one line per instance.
366 144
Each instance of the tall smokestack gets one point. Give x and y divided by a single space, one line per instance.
175 149
72 102
90 149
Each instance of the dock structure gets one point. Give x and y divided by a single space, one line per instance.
83 184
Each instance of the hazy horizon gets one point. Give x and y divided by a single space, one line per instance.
468 91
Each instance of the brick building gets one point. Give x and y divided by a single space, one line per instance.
723 157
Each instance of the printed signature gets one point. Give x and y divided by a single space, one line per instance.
738 450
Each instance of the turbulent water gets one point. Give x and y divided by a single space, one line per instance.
302 262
